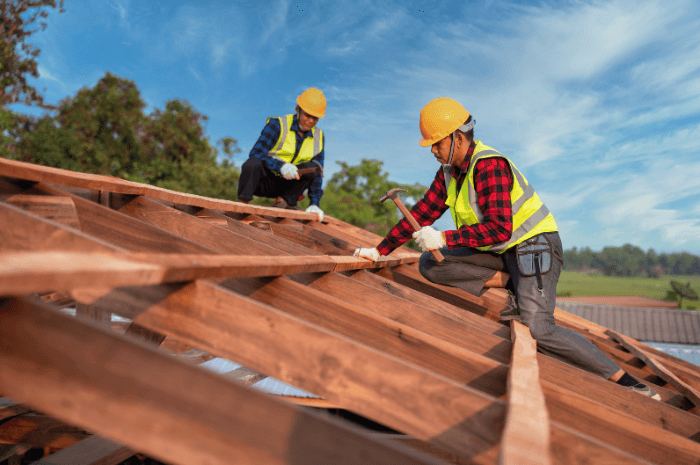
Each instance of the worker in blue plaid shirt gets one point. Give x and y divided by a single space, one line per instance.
286 145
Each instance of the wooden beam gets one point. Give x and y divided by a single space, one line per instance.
25 231
94 450
9 411
392 337
99 316
259 235
37 272
657 367
436 305
553 371
160 406
122 230
144 334
193 229
640 438
347 373
526 435
45 174
488 305
380 302
287 348
314 229
289 233
58 209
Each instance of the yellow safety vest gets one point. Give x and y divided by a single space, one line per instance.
530 215
286 144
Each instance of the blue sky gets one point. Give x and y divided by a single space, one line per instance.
598 103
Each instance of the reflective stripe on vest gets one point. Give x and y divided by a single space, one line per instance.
530 215
286 145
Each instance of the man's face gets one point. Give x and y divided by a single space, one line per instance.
441 150
306 121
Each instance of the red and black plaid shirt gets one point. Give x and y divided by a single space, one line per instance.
492 180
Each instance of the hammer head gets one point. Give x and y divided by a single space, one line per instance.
391 194
320 168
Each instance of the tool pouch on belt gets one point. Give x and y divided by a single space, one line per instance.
535 258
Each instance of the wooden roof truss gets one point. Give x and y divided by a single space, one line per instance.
280 293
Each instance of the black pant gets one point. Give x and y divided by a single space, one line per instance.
258 179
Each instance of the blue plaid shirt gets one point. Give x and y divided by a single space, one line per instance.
267 139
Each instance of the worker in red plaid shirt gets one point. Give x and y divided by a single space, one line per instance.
500 224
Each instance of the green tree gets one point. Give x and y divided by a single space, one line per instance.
18 19
104 130
352 195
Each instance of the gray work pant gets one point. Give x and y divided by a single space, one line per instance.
468 269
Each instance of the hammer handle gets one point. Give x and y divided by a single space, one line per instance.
416 227
307 170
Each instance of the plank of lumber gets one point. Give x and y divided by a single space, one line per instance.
438 306
264 237
160 406
374 330
316 230
40 431
347 373
25 231
584 413
349 234
58 209
354 263
287 348
9 411
100 316
289 233
94 450
658 367
192 228
526 434
424 319
554 371
37 272
45 174
488 305
123 230
144 334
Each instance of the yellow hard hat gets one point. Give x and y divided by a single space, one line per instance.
440 118
313 102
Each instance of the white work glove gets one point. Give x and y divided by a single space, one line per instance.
429 239
369 254
317 210
289 171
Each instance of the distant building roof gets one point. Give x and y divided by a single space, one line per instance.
642 323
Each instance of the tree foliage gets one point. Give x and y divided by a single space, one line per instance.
104 130
18 20
630 260
352 195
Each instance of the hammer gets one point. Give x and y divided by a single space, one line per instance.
318 168
412 221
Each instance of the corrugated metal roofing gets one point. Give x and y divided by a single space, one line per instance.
689 353
644 324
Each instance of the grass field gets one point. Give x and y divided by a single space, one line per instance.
583 284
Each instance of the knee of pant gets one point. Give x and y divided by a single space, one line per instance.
425 265
540 328
252 163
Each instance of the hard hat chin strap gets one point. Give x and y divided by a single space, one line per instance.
452 150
